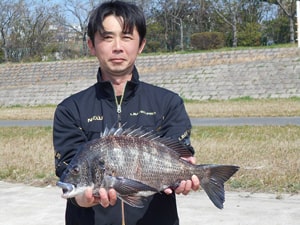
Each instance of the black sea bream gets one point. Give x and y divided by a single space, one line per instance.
138 164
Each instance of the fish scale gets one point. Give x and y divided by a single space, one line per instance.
138 164
134 163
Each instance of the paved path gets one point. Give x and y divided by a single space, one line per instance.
242 121
21 204
251 121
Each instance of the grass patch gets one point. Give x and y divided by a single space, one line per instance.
244 107
286 45
269 156
45 112
241 99
240 107
27 155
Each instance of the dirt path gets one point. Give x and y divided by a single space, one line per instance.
21 204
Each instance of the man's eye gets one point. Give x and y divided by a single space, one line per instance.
127 37
107 37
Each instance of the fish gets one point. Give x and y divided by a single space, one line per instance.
138 164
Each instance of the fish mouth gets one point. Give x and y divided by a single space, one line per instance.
69 190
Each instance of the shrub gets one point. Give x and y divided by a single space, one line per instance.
250 35
152 46
207 40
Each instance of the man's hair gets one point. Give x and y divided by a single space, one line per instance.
131 14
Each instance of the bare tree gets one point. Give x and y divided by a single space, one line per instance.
75 15
229 11
37 26
9 14
29 35
289 9
29 28
171 14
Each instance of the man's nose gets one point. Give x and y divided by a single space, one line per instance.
117 45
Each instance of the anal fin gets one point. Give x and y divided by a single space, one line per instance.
134 201
132 192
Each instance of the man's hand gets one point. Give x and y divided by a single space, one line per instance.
105 198
186 186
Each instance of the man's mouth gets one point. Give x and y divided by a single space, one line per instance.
117 60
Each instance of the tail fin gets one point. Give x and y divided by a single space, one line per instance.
214 179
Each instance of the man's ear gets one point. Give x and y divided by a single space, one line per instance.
142 45
91 46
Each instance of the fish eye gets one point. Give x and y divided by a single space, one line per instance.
75 170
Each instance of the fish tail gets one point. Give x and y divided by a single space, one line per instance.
213 181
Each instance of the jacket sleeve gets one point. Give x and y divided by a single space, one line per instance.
67 136
176 122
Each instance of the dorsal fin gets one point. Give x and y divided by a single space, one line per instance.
112 131
181 149
178 147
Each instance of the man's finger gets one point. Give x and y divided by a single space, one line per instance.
104 201
181 187
188 187
112 194
168 191
195 183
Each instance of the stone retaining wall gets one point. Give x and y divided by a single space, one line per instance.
264 73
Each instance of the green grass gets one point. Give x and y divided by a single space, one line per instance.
287 45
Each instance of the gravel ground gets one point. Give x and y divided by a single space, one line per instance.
21 204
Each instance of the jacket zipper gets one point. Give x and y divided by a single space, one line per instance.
119 108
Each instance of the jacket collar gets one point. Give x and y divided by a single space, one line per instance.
105 88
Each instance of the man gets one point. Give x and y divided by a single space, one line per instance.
116 33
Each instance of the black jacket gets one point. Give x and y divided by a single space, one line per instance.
83 116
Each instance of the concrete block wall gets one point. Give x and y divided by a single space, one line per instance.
263 73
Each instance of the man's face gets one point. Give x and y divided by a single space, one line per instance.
116 50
